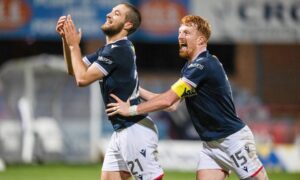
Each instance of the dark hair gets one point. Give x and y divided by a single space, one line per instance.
133 16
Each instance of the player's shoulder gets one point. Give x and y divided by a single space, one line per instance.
202 57
207 61
118 46
123 43
198 63
203 60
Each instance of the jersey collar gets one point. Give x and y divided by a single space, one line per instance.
201 54
124 38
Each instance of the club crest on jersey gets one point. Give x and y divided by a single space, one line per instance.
189 93
104 60
196 65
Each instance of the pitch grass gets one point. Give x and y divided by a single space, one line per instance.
92 172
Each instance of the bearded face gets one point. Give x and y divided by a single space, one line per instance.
110 29
187 41
183 50
115 20
187 47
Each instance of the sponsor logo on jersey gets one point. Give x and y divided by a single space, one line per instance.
189 93
196 65
104 60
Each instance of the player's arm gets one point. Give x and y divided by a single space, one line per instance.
66 51
145 94
84 75
174 106
67 57
159 102
164 100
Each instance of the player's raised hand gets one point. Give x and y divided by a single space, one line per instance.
60 25
72 36
120 107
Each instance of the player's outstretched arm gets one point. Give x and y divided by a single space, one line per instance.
159 102
67 55
173 107
145 94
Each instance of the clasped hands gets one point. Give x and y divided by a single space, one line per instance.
66 28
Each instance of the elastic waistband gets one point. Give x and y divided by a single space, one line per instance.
149 124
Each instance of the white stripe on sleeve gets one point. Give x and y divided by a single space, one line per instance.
86 61
100 68
189 82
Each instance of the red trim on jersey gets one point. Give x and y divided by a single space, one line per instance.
226 172
159 177
254 174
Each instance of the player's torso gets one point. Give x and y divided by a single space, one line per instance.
212 110
121 81
117 61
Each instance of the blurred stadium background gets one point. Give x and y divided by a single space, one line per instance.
45 118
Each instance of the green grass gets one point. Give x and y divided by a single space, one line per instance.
92 172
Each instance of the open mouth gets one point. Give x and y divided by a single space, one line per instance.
182 46
108 21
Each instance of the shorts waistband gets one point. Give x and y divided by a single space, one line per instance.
149 124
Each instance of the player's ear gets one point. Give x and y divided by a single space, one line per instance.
128 25
201 40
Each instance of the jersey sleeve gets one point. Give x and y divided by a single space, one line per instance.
104 61
182 89
89 59
195 73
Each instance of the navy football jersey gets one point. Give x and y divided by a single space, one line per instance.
117 62
210 102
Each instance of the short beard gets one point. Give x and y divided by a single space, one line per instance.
111 31
184 55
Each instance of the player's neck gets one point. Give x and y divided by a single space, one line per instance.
197 52
116 37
